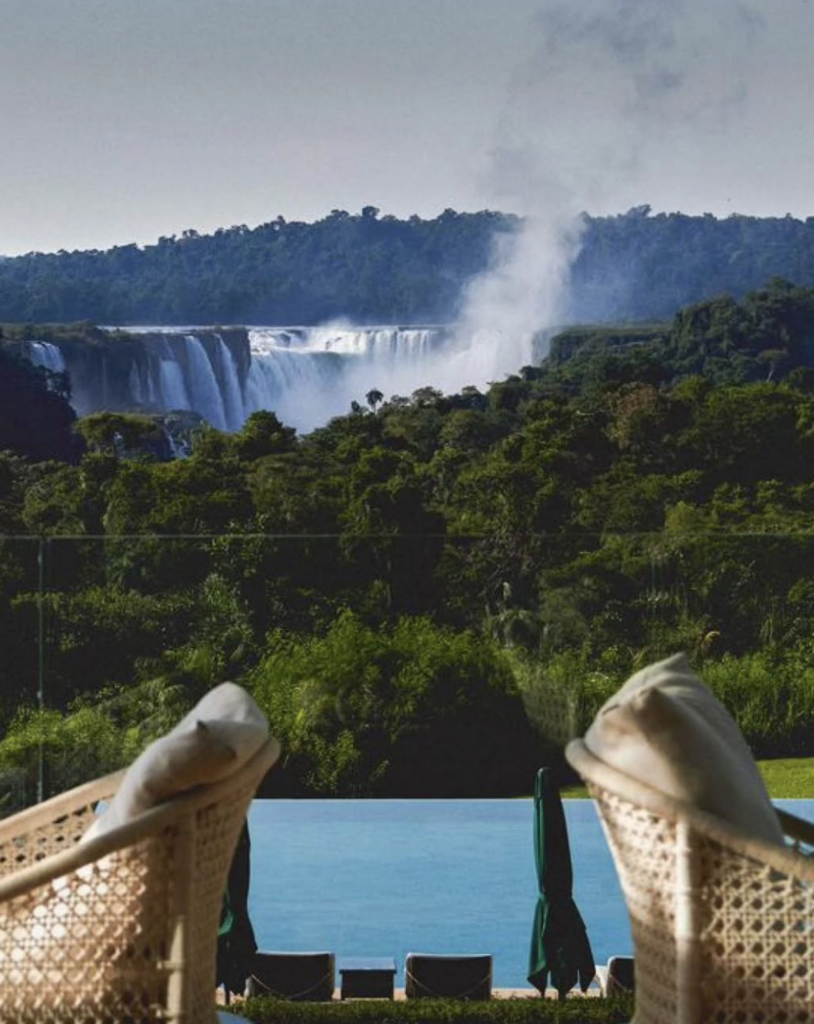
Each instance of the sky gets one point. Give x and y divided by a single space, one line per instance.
125 120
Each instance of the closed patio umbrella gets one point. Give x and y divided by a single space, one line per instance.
236 941
559 943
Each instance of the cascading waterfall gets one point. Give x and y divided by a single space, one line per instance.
171 386
203 384
308 374
146 385
290 375
136 385
381 345
232 395
304 374
43 353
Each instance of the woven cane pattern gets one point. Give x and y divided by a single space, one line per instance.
95 942
643 847
91 934
20 848
759 934
753 907
218 828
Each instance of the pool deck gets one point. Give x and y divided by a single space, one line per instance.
520 993
497 993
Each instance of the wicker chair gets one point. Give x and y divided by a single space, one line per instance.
121 928
723 922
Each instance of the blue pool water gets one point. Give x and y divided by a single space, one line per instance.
387 877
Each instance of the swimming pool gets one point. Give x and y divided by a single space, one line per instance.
387 877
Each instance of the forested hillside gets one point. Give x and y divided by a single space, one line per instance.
378 269
473 572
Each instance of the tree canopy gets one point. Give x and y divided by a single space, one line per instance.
380 269
472 573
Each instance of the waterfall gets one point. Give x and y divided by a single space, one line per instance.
382 345
232 396
308 374
292 377
305 375
151 382
43 353
136 385
203 384
171 386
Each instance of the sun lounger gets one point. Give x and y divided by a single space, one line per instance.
618 976
298 977
434 975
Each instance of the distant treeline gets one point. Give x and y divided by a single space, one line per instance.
379 269
429 594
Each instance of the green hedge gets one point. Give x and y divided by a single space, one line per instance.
440 1011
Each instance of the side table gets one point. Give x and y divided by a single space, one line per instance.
367 977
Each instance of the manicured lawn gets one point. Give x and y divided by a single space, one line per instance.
440 1011
573 792
789 778
786 779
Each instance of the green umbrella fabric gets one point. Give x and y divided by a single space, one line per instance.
560 949
236 941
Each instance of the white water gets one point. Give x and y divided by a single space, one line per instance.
309 374
203 384
291 381
232 397
306 375
136 385
379 344
171 386
43 353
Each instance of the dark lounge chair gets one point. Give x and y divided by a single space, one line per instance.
434 975
618 976
298 977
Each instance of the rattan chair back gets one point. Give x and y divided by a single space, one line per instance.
723 922
122 928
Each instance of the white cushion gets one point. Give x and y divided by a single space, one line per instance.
665 728
223 731
233 718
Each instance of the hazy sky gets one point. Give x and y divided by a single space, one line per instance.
126 119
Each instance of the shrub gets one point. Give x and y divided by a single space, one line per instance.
441 1011
414 709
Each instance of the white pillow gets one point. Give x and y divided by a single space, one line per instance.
665 728
233 718
223 731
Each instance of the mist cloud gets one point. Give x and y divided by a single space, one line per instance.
615 96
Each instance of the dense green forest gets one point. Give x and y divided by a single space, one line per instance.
430 594
379 269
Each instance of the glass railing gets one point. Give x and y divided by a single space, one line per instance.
369 653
